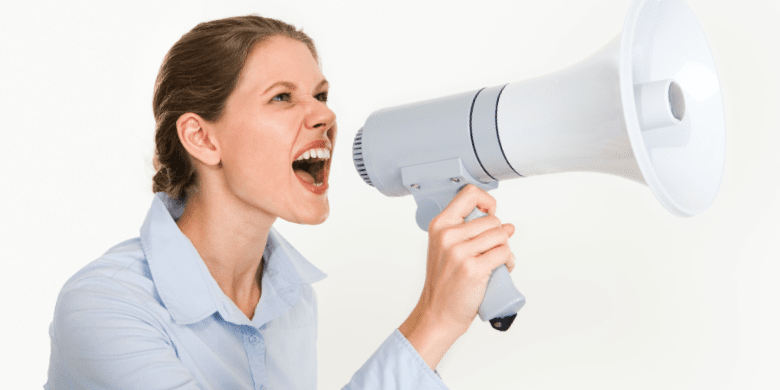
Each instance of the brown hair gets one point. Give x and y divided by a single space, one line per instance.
197 75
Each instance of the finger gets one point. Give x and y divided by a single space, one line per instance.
510 264
510 229
469 230
495 257
465 201
487 240
474 228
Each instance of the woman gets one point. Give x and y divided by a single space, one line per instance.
210 295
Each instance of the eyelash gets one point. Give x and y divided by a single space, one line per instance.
286 97
323 97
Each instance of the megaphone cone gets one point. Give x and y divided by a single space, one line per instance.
646 107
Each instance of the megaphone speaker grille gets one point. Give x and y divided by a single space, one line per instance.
357 157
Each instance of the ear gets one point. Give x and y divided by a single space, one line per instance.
198 137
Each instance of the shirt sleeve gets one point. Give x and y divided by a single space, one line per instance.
103 337
396 365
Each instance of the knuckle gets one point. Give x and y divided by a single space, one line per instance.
498 233
475 192
448 237
436 224
494 221
458 252
490 198
492 236
471 188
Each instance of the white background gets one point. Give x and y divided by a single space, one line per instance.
621 294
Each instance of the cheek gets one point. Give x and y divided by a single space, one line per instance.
257 158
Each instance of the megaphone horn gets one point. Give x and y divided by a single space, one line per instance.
646 107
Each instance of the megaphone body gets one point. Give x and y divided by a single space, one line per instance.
646 107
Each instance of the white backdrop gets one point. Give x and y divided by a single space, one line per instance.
621 294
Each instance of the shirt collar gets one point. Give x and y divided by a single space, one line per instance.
186 286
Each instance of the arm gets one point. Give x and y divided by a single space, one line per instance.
461 257
430 339
103 338
395 365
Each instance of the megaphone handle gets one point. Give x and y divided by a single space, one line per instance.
434 185
502 301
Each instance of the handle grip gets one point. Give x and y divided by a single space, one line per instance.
502 301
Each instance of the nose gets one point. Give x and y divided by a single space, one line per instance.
320 117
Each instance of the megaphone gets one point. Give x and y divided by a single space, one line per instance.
646 107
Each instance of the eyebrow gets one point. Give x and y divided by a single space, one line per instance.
292 86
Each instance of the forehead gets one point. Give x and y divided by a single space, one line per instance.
279 59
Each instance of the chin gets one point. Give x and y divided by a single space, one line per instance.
315 217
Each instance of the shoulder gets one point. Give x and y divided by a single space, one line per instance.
119 280
109 328
123 266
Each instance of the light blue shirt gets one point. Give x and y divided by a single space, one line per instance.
149 315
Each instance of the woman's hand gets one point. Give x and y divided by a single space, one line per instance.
461 257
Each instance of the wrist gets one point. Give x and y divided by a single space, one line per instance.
430 337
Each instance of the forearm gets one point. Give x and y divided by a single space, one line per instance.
396 365
429 337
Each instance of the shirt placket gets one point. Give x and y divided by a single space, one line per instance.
254 345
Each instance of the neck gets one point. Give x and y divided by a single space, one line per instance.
230 236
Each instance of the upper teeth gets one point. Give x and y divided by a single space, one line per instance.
314 153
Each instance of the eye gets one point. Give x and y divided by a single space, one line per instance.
323 97
282 97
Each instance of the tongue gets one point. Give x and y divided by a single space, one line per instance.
306 176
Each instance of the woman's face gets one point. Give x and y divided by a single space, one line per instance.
277 112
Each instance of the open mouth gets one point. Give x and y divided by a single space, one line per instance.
310 170
311 166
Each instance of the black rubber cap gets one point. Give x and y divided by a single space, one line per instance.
503 323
